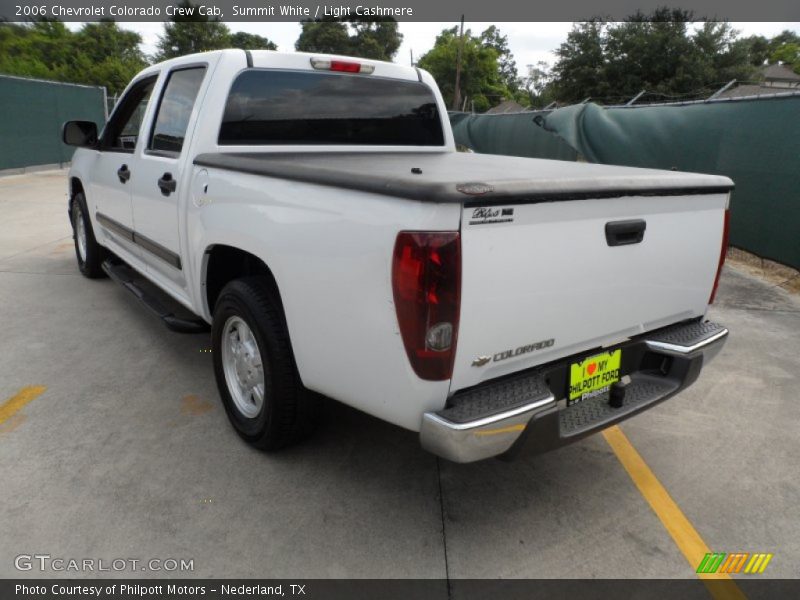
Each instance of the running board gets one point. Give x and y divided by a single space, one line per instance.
124 275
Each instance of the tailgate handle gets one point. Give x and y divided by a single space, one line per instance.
622 233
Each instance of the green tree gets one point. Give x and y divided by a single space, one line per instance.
757 47
536 85
725 57
98 54
506 64
785 48
107 55
481 82
326 36
580 67
654 55
100 40
190 33
788 54
102 53
784 37
377 38
46 44
659 53
368 38
32 50
187 34
250 41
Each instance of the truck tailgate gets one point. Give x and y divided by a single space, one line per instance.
542 280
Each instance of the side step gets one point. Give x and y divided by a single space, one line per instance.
129 279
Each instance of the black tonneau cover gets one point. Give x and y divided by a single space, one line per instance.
465 177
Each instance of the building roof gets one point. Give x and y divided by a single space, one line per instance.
507 106
777 79
779 73
748 90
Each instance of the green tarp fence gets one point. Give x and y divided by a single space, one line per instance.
754 142
513 134
31 115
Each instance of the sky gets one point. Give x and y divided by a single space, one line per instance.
529 42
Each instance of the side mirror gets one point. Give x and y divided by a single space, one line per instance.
79 133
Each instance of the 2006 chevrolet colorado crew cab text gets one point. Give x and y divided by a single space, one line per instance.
314 211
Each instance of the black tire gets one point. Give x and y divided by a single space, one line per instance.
288 411
91 260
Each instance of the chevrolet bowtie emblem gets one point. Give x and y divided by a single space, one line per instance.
481 360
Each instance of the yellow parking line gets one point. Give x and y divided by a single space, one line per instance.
677 525
13 405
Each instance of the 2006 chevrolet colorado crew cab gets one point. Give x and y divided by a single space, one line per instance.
313 210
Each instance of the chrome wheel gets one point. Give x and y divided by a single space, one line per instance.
80 234
243 368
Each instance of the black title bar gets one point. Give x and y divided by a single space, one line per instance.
391 589
401 10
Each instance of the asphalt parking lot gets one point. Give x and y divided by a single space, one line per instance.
123 450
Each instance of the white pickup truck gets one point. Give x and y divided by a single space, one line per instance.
314 212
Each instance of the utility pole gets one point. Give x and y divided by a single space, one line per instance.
457 91
411 54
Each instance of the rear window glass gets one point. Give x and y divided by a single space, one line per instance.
300 107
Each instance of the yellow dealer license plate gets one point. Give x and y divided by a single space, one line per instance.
593 376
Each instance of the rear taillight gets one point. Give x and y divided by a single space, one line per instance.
723 251
426 277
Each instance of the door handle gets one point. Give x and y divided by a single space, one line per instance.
623 233
167 184
123 173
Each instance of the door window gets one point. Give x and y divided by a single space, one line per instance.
174 111
122 131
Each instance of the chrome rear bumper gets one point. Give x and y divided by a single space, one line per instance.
495 418
482 438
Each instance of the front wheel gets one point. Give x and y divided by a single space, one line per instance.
89 253
254 367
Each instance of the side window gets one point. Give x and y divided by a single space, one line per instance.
122 130
172 118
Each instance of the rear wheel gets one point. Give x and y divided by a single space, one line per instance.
89 253
254 367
